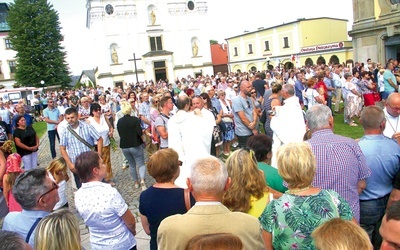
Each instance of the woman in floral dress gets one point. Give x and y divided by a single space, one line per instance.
289 221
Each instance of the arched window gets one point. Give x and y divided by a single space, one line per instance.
309 62
253 68
321 60
334 59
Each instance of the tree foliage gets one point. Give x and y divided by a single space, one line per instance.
35 35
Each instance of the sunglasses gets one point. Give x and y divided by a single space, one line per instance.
55 187
252 92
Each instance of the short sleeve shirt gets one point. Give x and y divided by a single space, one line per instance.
162 121
101 207
246 105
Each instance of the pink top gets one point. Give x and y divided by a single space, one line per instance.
13 205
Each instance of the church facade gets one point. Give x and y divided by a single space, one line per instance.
138 40
376 30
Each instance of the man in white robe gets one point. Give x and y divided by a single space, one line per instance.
188 136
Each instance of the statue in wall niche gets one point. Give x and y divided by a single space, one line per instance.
195 49
114 56
153 17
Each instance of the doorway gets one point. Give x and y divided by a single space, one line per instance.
160 71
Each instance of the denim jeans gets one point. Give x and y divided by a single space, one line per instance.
135 156
52 139
371 214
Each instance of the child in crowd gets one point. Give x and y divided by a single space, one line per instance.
58 172
7 148
12 172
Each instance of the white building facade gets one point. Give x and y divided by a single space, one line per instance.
138 40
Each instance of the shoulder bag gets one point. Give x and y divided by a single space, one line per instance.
92 148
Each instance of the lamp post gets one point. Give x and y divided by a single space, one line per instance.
42 82
268 60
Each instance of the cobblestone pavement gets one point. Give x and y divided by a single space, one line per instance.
124 184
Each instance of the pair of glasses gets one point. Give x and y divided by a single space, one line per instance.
252 92
55 187
248 104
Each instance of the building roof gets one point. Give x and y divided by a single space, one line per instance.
90 74
289 23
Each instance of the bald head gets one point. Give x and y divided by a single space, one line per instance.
245 88
393 104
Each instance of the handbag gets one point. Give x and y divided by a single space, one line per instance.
377 98
92 148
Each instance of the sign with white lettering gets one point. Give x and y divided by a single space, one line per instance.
322 47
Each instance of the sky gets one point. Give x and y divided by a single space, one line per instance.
227 17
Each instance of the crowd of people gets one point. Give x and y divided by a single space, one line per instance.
230 154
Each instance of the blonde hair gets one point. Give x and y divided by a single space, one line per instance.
339 234
247 181
50 228
126 108
56 166
296 164
7 146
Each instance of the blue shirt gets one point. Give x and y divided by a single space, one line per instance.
21 222
216 104
52 114
74 146
383 158
144 109
246 105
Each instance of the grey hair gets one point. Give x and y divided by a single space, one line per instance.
317 117
29 186
208 175
11 240
289 89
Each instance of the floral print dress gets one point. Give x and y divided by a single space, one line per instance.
292 218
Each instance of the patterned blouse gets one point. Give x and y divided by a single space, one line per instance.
292 218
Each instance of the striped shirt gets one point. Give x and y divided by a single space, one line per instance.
74 146
340 165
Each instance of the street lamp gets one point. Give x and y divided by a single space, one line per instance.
268 60
42 82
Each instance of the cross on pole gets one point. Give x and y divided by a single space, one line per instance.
134 60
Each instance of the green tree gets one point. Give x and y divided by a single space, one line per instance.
35 35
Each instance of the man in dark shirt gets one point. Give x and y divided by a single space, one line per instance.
259 84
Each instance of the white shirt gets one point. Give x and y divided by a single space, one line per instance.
392 124
101 128
101 207
62 187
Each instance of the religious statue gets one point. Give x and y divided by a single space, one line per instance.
114 56
153 17
195 49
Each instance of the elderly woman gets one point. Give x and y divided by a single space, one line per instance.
164 198
289 221
352 100
154 113
248 192
105 130
227 117
261 145
131 142
84 109
27 143
111 224
106 110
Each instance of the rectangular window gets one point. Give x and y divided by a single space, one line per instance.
286 42
235 51
8 43
156 43
266 45
13 66
250 49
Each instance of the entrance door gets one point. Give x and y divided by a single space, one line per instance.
119 85
160 71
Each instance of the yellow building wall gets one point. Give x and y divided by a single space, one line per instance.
333 30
